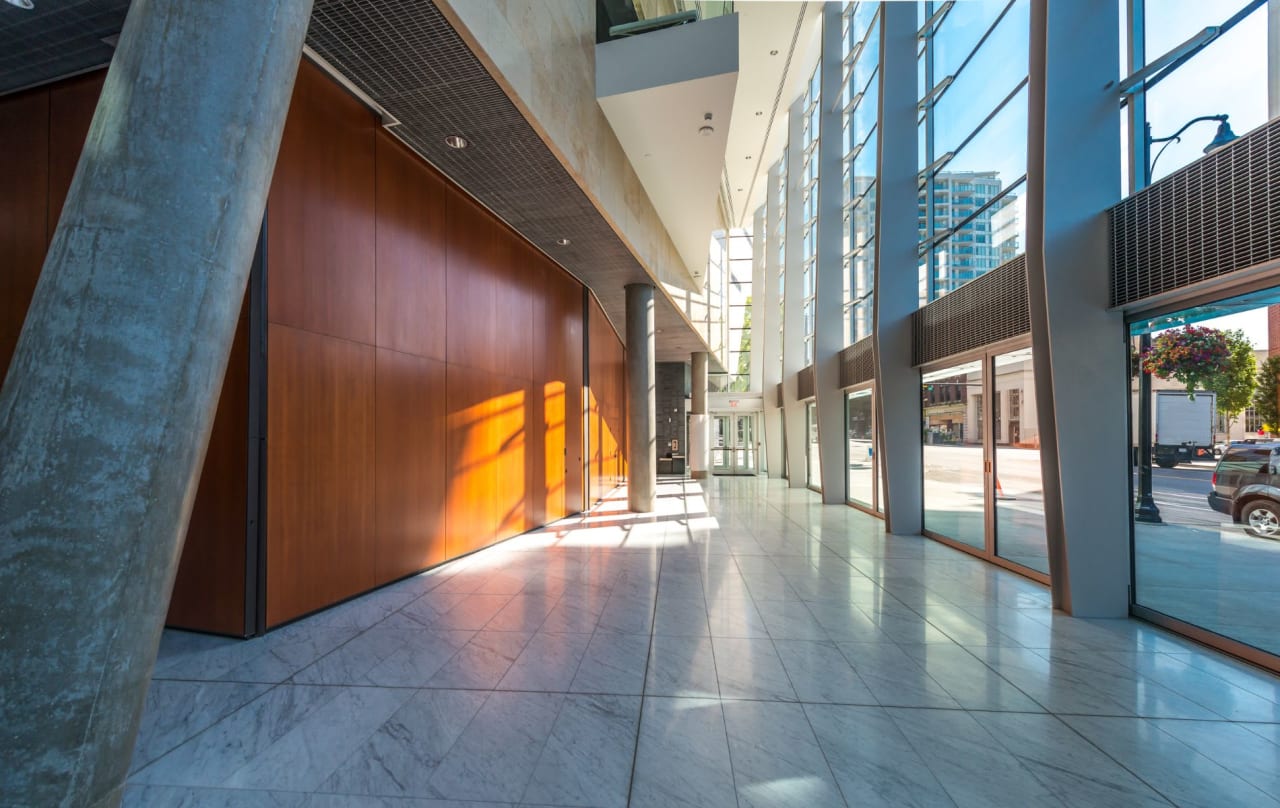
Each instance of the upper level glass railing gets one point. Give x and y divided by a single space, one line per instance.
618 18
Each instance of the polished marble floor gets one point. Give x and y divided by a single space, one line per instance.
745 646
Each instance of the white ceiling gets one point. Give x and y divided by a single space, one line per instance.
767 84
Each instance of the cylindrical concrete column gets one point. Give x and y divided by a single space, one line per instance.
642 425
699 425
106 411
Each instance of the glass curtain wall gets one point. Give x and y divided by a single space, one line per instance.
1208 552
779 240
863 465
860 97
809 200
954 473
972 139
738 321
1019 494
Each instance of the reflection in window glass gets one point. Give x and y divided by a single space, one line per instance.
954 493
1020 527
1229 77
862 459
811 428
960 31
1214 558
995 70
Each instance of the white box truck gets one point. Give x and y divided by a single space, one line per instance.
1182 428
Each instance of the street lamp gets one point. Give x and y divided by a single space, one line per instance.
1146 510
1223 136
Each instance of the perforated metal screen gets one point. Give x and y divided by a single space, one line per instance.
1217 215
858 363
804 383
982 312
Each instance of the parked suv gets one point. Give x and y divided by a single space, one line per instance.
1246 487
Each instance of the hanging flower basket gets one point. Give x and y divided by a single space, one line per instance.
1191 355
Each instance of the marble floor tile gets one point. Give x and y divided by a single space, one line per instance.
179 797
681 666
548 662
1181 773
682 758
482 662
401 756
681 617
893 677
176 711
873 763
587 760
613 663
417 661
820 673
776 759
750 669
498 752
968 680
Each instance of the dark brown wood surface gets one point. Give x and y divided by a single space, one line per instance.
24 194
320 478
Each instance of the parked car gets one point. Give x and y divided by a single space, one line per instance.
1246 487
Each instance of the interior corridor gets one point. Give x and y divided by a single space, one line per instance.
745 646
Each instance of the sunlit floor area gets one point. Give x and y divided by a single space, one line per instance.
744 646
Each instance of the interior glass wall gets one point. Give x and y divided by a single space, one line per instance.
1019 500
972 139
954 476
1206 550
809 201
814 478
862 459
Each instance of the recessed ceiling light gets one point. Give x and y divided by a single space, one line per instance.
563 242
773 53
759 112
706 131
739 189
27 4
748 157
456 142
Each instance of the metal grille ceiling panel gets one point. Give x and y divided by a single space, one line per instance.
984 311
406 56
858 363
55 39
1218 215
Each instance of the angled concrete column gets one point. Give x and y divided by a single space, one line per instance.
699 426
829 331
106 411
1080 356
793 302
897 292
766 328
642 424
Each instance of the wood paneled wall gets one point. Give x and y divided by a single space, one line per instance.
425 365
606 413
43 132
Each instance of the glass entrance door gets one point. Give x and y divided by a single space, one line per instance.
733 443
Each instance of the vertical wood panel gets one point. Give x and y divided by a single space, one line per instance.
320 414
320 215
71 107
24 171
472 314
209 590
606 404
470 518
411 247
411 462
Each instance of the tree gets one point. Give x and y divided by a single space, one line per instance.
1235 385
1264 396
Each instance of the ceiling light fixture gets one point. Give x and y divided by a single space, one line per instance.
748 157
456 142
563 242
759 112
706 131
24 4
773 53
